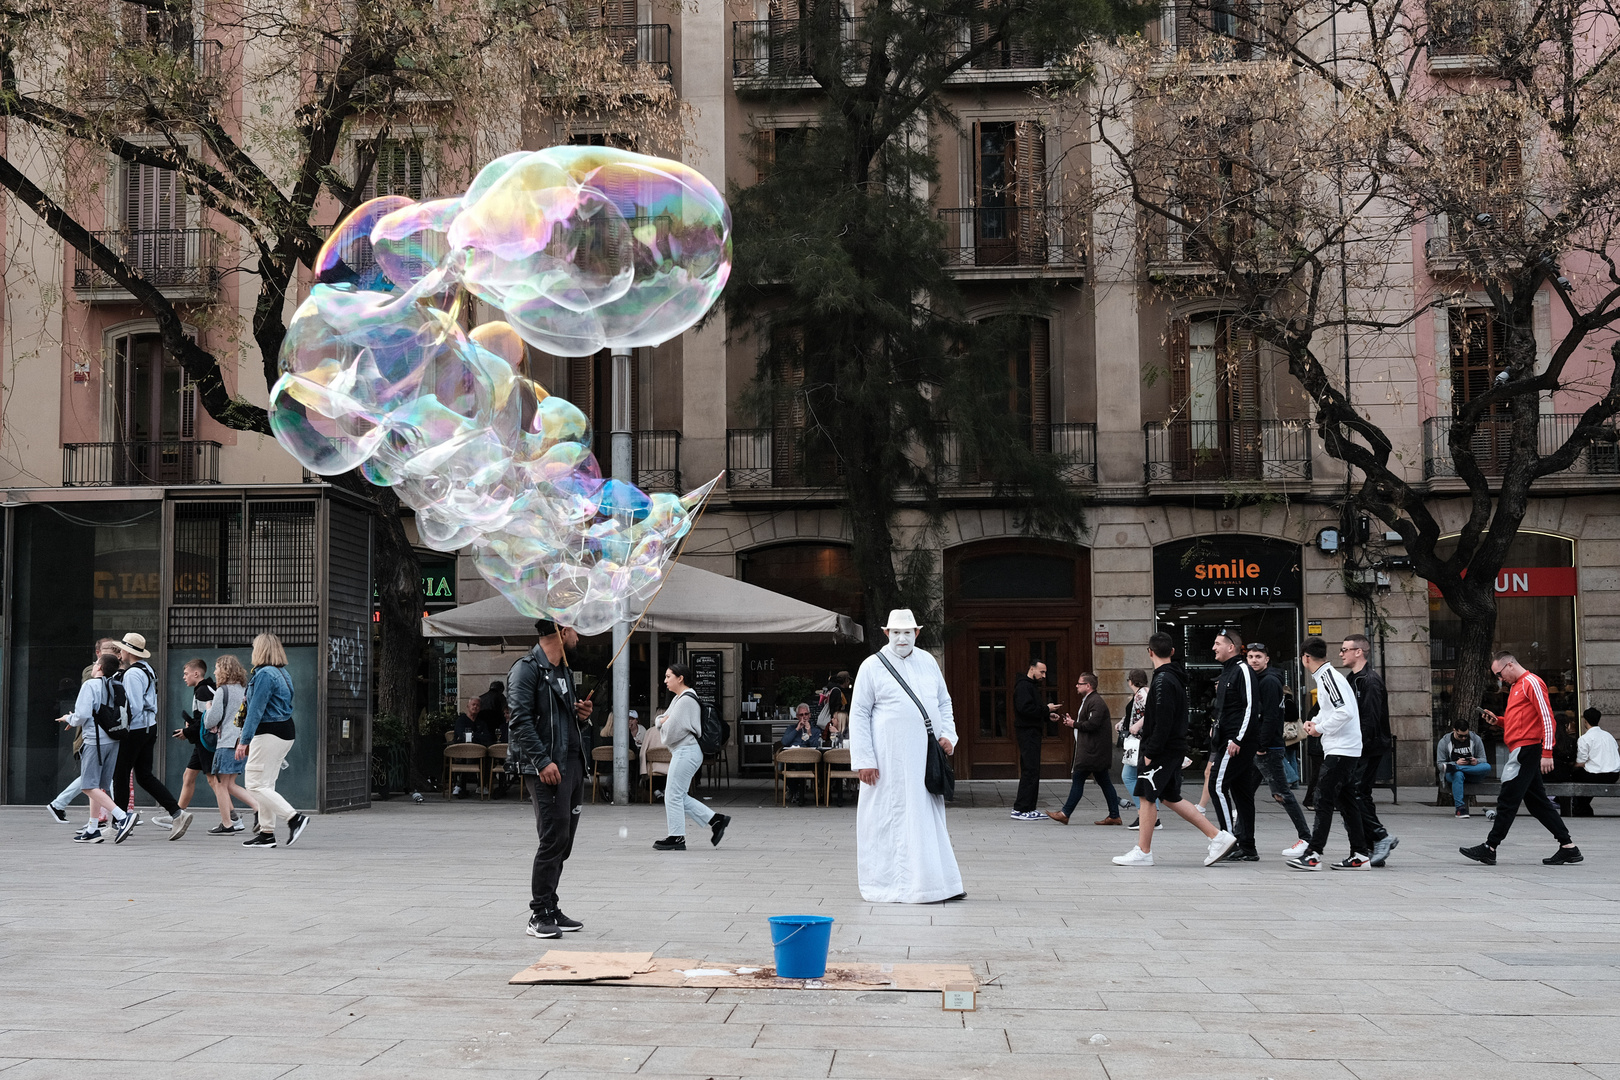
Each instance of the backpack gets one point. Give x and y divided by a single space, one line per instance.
112 715
710 738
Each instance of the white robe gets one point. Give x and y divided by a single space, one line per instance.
903 851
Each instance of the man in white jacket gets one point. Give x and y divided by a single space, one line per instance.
1338 723
902 848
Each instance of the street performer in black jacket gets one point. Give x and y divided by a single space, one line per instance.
1234 738
548 744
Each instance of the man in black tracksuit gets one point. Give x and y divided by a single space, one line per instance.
548 746
1377 741
1234 738
1030 715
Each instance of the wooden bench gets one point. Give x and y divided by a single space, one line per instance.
1492 786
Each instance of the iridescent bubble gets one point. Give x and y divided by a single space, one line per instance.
581 248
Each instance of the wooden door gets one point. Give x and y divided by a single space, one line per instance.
996 660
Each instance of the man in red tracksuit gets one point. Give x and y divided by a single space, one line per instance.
1528 731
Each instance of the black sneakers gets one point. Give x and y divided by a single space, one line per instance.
57 813
261 840
1482 854
541 928
1565 855
556 918
295 828
670 843
718 828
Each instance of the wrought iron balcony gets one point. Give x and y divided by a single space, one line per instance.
656 460
764 49
1217 451
174 260
1070 448
155 67
1492 446
642 45
1014 236
121 464
772 458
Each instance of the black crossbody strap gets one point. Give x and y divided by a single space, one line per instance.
910 692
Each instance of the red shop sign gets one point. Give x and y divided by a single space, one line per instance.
1530 581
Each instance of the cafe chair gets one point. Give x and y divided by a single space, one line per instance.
497 760
461 759
837 762
797 763
601 758
657 765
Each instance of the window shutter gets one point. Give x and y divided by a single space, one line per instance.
1243 401
1179 361
1029 192
188 410
582 385
1189 28
764 152
1040 385
788 413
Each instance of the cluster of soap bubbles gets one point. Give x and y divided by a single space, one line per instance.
582 249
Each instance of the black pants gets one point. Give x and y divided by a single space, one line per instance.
556 819
1583 803
1233 784
135 755
1313 756
1029 767
1521 783
1366 776
1270 764
1336 789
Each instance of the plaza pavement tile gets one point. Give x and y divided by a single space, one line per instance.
380 946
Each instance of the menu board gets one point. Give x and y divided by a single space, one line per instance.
706 678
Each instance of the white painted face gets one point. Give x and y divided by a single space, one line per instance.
902 640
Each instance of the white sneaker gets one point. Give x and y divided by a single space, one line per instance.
1219 846
1134 857
163 821
1297 850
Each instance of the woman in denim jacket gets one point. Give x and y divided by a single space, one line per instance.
265 740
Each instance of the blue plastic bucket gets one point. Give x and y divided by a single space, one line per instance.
801 945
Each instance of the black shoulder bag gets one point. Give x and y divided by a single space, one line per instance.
938 776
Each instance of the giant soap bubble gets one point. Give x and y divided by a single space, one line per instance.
582 248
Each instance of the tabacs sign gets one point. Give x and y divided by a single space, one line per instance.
1226 570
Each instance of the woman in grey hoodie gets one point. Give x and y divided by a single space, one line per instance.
681 725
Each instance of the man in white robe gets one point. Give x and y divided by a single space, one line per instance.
903 851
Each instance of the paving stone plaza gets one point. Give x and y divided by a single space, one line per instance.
381 946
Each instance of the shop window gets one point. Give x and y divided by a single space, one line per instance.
1535 620
81 571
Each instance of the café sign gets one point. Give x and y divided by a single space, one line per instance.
1226 570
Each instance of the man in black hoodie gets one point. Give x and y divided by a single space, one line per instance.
1162 750
1234 738
1377 741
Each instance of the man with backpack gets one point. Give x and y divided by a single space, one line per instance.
135 691
548 746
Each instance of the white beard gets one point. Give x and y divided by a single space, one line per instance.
903 641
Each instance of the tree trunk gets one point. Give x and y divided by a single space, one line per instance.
870 509
1474 602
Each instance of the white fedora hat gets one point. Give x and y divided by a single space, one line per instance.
135 645
901 618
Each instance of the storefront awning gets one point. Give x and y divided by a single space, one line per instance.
692 602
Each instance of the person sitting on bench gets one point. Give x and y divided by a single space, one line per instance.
1599 756
1459 756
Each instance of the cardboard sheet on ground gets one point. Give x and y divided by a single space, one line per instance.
642 969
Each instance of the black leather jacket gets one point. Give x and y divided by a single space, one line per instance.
541 696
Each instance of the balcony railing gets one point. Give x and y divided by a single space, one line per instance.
1216 451
657 460
768 458
108 83
118 464
643 45
1492 445
1014 55
787 48
1034 236
167 258
1462 27
1213 30
1070 448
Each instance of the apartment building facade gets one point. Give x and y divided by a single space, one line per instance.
1212 504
